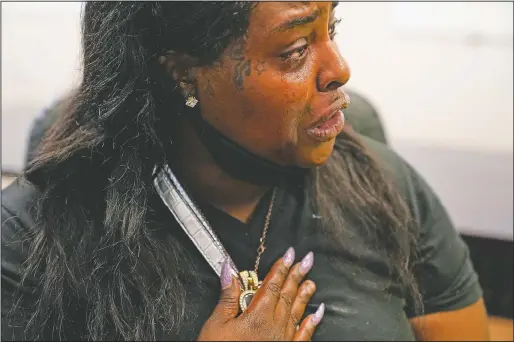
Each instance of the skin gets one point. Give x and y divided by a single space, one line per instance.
262 90
265 102
273 314
467 324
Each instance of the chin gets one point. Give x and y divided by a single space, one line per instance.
311 157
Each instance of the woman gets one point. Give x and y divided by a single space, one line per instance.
242 102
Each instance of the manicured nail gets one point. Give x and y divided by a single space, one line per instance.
226 275
318 315
288 258
307 262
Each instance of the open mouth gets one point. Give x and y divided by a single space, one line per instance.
325 122
328 128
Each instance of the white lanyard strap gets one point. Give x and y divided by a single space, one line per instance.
190 218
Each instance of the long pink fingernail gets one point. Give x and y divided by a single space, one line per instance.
307 262
318 315
226 275
288 258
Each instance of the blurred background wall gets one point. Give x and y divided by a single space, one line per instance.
40 50
441 75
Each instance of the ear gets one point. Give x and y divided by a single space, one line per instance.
180 67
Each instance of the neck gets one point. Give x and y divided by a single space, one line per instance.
208 182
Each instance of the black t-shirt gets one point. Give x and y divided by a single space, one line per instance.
354 310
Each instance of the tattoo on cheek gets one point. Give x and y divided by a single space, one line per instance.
260 67
237 51
241 71
242 68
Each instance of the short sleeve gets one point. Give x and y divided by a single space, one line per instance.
443 269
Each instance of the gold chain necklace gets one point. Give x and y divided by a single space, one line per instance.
249 279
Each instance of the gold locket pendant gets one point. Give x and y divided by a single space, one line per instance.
250 285
248 279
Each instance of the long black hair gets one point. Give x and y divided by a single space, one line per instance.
95 241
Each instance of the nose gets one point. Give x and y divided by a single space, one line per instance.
334 72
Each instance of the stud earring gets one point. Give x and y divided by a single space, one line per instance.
191 101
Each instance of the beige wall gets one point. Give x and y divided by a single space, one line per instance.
435 86
40 50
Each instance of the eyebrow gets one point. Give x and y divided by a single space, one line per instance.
288 25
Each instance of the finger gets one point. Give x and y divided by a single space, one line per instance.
309 324
269 292
290 287
228 304
305 293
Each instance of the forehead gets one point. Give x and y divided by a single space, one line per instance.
268 17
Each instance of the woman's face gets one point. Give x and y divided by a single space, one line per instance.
276 92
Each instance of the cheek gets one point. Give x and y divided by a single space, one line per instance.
281 98
265 116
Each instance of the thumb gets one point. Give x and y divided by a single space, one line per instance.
228 304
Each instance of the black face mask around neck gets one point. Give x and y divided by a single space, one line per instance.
240 163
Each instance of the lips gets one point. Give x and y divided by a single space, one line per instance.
329 129
324 119
330 123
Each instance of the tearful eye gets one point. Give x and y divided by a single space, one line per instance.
295 54
296 51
